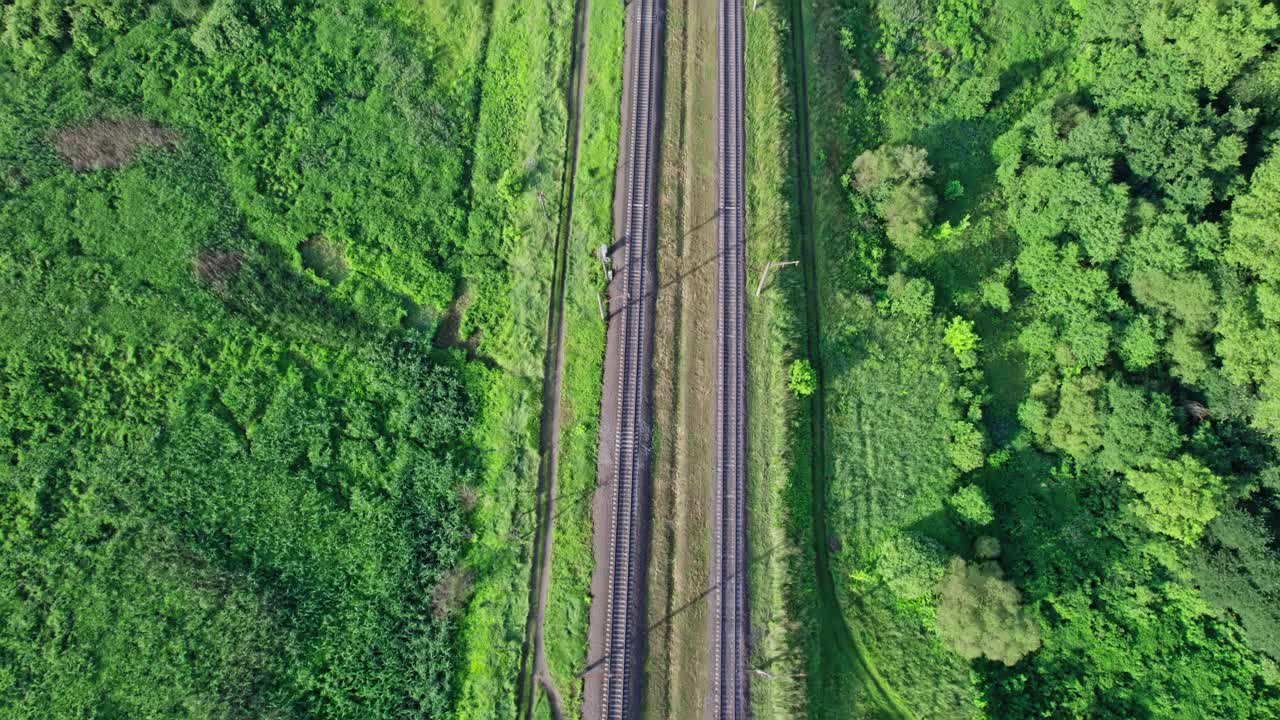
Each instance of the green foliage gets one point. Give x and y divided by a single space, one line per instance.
1139 346
897 403
221 30
1139 429
986 547
251 473
34 31
1076 429
893 179
1119 155
911 565
911 298
966 446
803 380
955 27
971 505
1176 497
1181 49
1239 574
995 294
980 614
233 489
963 341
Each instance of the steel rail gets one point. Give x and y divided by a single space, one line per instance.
632 438
731 624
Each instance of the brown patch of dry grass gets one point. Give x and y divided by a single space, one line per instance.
217 268
110 144
325 258
451 591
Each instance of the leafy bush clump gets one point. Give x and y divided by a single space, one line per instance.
803 379
980 614
971 506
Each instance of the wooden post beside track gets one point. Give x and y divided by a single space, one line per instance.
765 274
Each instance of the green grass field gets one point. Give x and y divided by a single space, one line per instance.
256 273
773 334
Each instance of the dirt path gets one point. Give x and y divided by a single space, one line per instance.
553 370
842 662
679 666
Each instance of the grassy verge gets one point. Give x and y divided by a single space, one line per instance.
843 678
513 170
568 604
774 338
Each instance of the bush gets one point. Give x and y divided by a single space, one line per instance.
803 379
963 341
911 565
981 615
971 506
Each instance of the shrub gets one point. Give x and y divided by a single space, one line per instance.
963 341
980 614
986 547
971 505
911 565
804 380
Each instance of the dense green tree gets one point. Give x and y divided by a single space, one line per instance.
1135 196
911 565
980 614
1140 428
986 547
965 446
911 298
1139 344
1239 574
1176 497
1255 235
1187 297
995 294
971 505
893 179
1076 428
908 212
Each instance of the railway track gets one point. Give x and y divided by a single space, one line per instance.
632 440
730 622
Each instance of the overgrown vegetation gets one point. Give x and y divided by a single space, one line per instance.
1049 289
569 604
246 474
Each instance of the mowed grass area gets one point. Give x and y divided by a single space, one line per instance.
841 678
890 401
572 560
